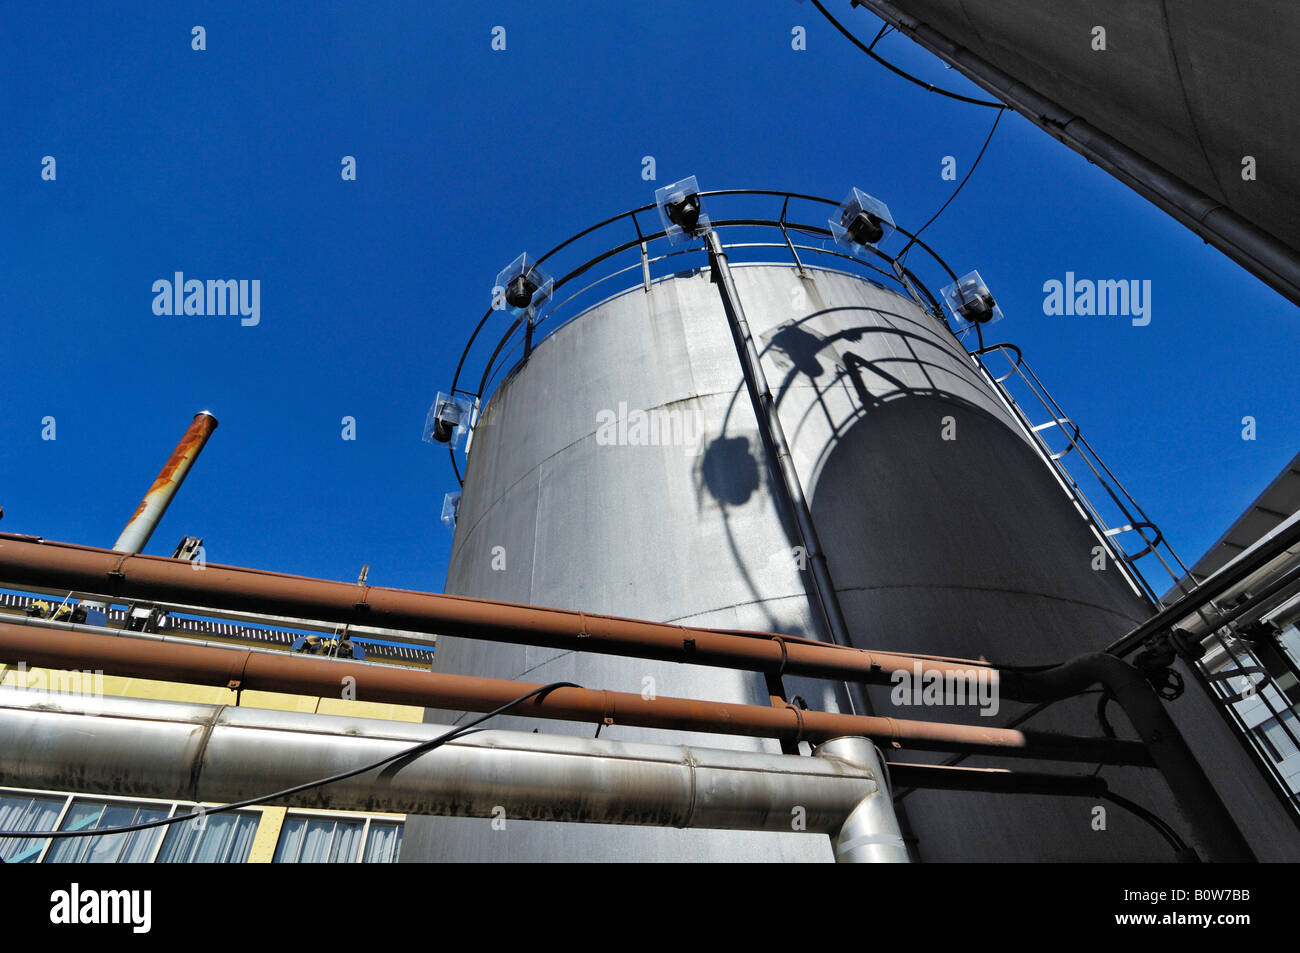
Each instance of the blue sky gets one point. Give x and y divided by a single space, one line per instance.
225 163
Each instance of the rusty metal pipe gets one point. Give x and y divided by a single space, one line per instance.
67 567
142 523
297 674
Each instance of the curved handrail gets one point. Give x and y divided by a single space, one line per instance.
898 272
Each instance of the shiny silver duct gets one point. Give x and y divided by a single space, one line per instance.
218 754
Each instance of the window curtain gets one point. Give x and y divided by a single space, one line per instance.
136 847
21 812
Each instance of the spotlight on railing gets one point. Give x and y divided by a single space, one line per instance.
861 222
522 285
971 301
680 212
447 420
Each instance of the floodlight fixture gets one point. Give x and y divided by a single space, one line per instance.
680 211
448 418
971 302
861 222
522 285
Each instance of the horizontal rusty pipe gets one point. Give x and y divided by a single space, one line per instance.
151 509
29 561
298 674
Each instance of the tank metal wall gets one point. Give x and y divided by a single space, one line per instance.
1194 86
944 529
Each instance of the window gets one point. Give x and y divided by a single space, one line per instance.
219 839
384 843
26 812
1275 730
136 847
319 839
227 838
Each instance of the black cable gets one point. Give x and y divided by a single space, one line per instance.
420 748
1137 810
894 69
1106 727
974 165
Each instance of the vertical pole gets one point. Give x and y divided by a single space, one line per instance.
822 591
645 268
769 423
870 834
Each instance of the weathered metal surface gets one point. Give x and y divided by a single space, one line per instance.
138 748
146 516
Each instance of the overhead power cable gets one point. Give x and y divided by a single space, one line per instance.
930 87
410 752
974 165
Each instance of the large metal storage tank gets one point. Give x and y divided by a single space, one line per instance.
965 546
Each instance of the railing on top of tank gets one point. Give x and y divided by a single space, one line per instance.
518 337
623 235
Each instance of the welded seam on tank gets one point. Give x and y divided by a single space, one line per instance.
999 589
537 518
473 527
797 594
1187 105
697 272
534 668
970 22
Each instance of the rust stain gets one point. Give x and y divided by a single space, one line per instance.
180 461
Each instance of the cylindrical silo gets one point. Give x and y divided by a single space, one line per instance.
620 470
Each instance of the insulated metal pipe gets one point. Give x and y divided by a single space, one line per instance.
300 674
206 753
870 834
151 509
